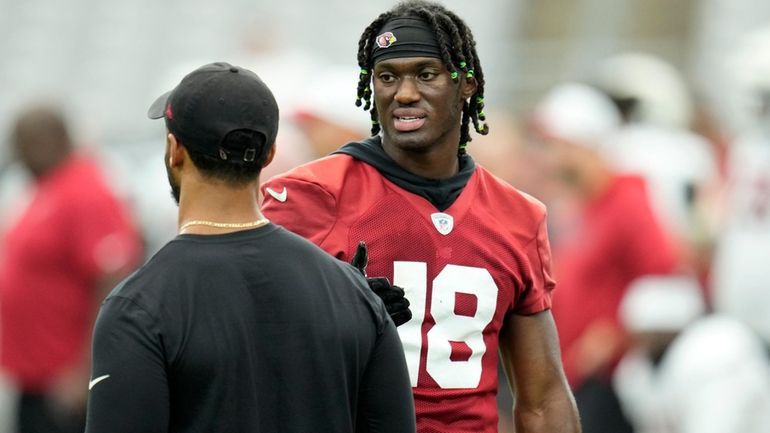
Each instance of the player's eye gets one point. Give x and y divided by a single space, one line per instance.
428 75
386 77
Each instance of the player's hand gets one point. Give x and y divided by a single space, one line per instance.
392 296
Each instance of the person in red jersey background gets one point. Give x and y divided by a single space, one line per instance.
470 251
72 242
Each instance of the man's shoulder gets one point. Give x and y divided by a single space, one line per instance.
142 286
505 198
83 186
321 189
328 171
84 169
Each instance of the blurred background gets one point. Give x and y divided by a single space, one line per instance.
105 61
687 81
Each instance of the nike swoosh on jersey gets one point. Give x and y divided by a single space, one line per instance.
93 382
280 196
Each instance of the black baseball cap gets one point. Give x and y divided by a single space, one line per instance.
215 100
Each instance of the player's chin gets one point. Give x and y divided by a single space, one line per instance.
407 140
413 141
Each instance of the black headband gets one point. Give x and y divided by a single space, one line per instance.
405 37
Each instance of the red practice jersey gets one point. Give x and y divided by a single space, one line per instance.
464 271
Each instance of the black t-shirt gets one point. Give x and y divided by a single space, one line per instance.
252 331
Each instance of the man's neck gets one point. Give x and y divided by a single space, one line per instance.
434 163
216 202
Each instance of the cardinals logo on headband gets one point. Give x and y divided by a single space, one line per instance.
386 39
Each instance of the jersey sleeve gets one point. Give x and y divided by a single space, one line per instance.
386 404
536 296
128 387
300 206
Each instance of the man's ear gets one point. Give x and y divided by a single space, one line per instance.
175 151
270 156
469 88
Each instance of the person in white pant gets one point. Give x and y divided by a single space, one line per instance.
690 372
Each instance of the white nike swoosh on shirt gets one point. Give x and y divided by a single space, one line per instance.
93 382
280 196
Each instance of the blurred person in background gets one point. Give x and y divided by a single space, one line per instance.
325 115
687 371
470 251
70 245
741 269
506 153
612 237
656 141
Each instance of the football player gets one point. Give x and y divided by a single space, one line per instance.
470 251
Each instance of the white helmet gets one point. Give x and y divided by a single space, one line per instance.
663 303
576 112
660 91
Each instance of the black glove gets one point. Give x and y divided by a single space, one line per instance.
392 296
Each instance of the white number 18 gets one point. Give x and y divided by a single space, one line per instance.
450 327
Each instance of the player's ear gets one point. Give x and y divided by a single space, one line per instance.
270 156
469 87
174 150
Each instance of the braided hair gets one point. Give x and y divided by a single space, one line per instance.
458 52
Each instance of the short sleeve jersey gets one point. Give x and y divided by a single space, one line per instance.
464 270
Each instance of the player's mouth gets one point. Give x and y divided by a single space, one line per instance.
406 122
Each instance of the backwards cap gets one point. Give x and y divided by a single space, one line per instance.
215 100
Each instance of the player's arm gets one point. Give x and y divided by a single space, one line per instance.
385 401
530 352
128 387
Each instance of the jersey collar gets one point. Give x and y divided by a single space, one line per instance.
441 193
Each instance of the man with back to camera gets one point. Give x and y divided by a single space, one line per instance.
470 251
238 324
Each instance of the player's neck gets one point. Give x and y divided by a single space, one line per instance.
433 163
216 202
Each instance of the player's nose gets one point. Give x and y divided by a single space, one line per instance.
407 91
